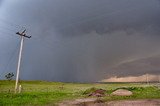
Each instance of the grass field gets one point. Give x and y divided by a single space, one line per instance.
45 93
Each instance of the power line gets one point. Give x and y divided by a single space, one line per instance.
11 23
8 26
10 58
7 33
5 28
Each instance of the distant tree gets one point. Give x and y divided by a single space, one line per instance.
9 76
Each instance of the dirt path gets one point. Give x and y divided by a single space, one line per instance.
93 102
146 102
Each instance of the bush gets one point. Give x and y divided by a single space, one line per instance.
90 90
9 76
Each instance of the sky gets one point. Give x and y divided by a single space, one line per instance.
80 40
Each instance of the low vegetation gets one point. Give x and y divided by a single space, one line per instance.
46 93
147 92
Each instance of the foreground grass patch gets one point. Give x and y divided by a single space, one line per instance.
33 98
43 93
150 92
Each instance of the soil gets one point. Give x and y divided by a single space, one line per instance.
98 93
98 101
95 102
146 102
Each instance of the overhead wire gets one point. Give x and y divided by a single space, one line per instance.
68 25
6 33
10 59
79 22
8 29
60 27
11 23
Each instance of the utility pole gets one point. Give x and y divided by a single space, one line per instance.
22 35
147 78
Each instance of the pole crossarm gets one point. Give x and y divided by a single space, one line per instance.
23 34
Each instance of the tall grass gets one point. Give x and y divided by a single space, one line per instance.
42 93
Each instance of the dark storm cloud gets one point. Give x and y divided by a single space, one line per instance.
1 3
139 66
83 40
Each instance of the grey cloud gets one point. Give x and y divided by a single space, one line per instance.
138 67
83 40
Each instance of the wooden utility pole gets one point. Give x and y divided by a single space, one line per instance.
147 78
22 35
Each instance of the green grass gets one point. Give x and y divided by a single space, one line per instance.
148 92
46 93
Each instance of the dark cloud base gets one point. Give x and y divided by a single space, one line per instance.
80 41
